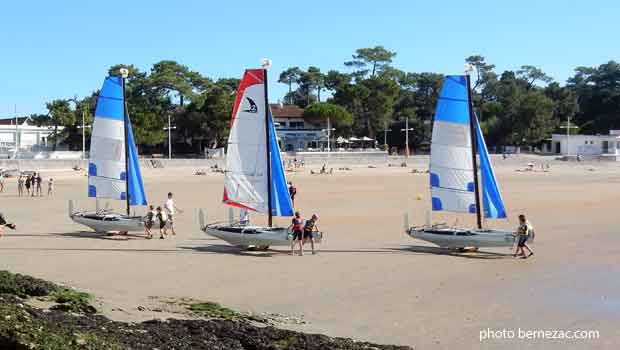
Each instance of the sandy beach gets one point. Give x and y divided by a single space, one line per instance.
369 281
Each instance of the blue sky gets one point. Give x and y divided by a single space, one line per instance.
56 49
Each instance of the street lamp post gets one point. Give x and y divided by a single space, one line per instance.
169 128
568 127
328 130
385 131
406 130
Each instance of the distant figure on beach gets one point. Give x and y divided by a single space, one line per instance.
20 186
4 223
33 183
27 184
524 232
149 219
579 157
292 191
161 218
296 227
39 180
244 217
50 187
1 182
171 210
309 229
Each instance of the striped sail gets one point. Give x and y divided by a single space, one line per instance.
451 165
246 182
106 167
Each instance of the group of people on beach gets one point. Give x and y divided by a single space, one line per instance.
32 184
163 217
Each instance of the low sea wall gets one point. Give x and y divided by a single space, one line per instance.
313 160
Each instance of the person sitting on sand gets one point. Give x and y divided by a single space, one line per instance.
149 219
309 229
3 223
297 233
523 233
161 217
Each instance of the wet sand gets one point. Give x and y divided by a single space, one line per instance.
370 281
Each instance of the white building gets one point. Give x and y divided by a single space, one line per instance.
25 134
585 145
296 133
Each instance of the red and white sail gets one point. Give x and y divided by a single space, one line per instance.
246 184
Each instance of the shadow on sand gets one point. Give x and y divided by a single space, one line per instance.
479 254
232 250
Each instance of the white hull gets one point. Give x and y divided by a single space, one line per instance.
109 222
245 236
463 238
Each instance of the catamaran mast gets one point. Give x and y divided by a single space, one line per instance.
267 139
474 147
124 73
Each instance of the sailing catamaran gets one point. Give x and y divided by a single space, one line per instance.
113 169
254 178
454 180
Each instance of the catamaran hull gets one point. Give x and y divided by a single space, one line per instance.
109 222
455 238
254 235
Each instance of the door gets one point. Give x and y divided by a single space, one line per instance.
558 148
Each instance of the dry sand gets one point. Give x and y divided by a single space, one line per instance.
370 281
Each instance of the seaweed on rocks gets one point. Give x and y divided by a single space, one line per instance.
23 326
25 286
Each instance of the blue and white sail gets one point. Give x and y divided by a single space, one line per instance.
451 165
246 181
107 167
491 197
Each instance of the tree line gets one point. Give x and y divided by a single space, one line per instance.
368 97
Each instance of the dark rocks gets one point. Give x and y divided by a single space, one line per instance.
98 332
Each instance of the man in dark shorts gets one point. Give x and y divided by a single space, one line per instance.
524 231
309 228
4 223
149 219
296 227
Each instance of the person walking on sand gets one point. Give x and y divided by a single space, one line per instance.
50 187
292 191
296 227
149 219
33 183
4 223
161 218
39 180
523 233
1 181
20 186
27 184
309 229
171 210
